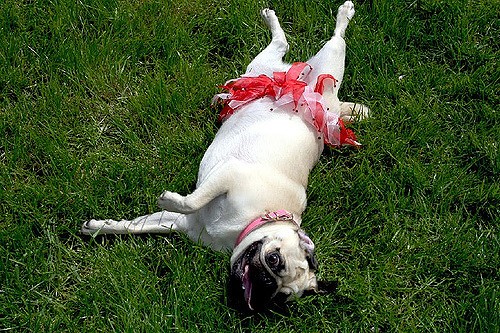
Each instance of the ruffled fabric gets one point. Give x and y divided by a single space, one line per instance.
293 94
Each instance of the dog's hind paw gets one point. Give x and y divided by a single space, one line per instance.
344 15
350 112
347 10
269 17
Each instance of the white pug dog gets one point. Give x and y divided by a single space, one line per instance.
251 189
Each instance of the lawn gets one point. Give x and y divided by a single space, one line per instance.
106 103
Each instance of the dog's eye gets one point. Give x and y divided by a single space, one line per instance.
273 259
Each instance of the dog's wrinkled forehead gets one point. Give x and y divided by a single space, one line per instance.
297 262
281 263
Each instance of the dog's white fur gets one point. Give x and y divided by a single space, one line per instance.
258 162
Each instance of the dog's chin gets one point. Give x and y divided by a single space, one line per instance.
270 266
251 286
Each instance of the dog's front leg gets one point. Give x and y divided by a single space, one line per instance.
159 223
216 183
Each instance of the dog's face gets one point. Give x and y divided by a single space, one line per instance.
272 266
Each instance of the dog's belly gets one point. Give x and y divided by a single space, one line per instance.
279 139
274 152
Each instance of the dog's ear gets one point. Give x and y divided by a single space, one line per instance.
312 262
308 246
322 288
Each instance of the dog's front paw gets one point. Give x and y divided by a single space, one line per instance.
170 201
94 227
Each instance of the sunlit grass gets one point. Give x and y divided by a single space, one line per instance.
104 104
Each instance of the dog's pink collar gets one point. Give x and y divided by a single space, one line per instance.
277 216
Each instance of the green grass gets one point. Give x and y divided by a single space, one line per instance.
104 104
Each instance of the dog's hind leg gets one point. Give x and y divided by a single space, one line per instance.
349 112
159 223
331 58
270 59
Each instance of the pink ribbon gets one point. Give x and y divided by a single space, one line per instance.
290 92
279 215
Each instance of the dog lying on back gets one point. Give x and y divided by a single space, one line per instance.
251 189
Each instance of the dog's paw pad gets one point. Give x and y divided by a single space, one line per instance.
346 10
270 18
267 13
344 15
